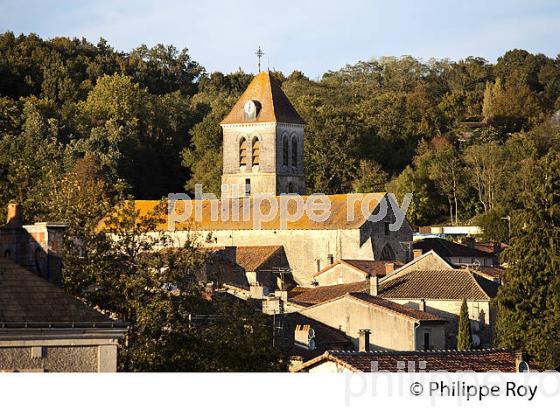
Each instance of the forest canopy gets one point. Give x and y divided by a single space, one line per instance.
460 135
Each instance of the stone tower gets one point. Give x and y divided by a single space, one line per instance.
263 143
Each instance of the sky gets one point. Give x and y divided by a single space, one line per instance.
310 36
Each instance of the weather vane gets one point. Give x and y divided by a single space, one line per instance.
259 54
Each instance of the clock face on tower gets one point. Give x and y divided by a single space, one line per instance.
250 109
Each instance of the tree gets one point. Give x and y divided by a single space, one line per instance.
529 300
119 268
464 335
370 177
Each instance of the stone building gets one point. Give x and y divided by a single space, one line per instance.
36 247
41 327
353 270
430 281
378 324
263 153
263 143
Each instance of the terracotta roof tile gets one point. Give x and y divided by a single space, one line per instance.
341 207
250 258
397 308
25 297
274 105
455 284
368 267
312 296
491 360
448 249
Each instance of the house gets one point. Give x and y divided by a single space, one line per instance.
36 247
303 338
489 360
455 253
302 297
44 329
426 281
244 266
353 270
41 327
263 154
375 323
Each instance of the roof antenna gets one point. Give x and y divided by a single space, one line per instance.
259 54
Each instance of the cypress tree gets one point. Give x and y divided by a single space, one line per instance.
464 336
529 300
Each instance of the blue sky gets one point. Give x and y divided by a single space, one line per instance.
311 36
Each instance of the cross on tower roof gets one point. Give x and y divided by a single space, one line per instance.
259 54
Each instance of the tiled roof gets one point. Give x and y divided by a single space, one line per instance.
448 249
274 105
368 267
312 296
453 284
491 360
494 272
396 307
345 213
250 258
326 337
27 298
491 247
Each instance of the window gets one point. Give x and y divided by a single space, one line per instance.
331 258
285 151
318 265
387 228
247 187
290 188
427 341
256 151
243 152
294 152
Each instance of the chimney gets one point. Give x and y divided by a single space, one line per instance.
422 305
304 336
15 214
389 267
363 341
417 253
373 285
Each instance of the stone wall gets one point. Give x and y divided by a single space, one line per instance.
388 331
481 313
55 359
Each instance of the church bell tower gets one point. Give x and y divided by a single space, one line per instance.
262 143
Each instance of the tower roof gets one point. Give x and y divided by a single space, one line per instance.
272 103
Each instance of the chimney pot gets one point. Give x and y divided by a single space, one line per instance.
363 341
417 253
389 267
422 305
